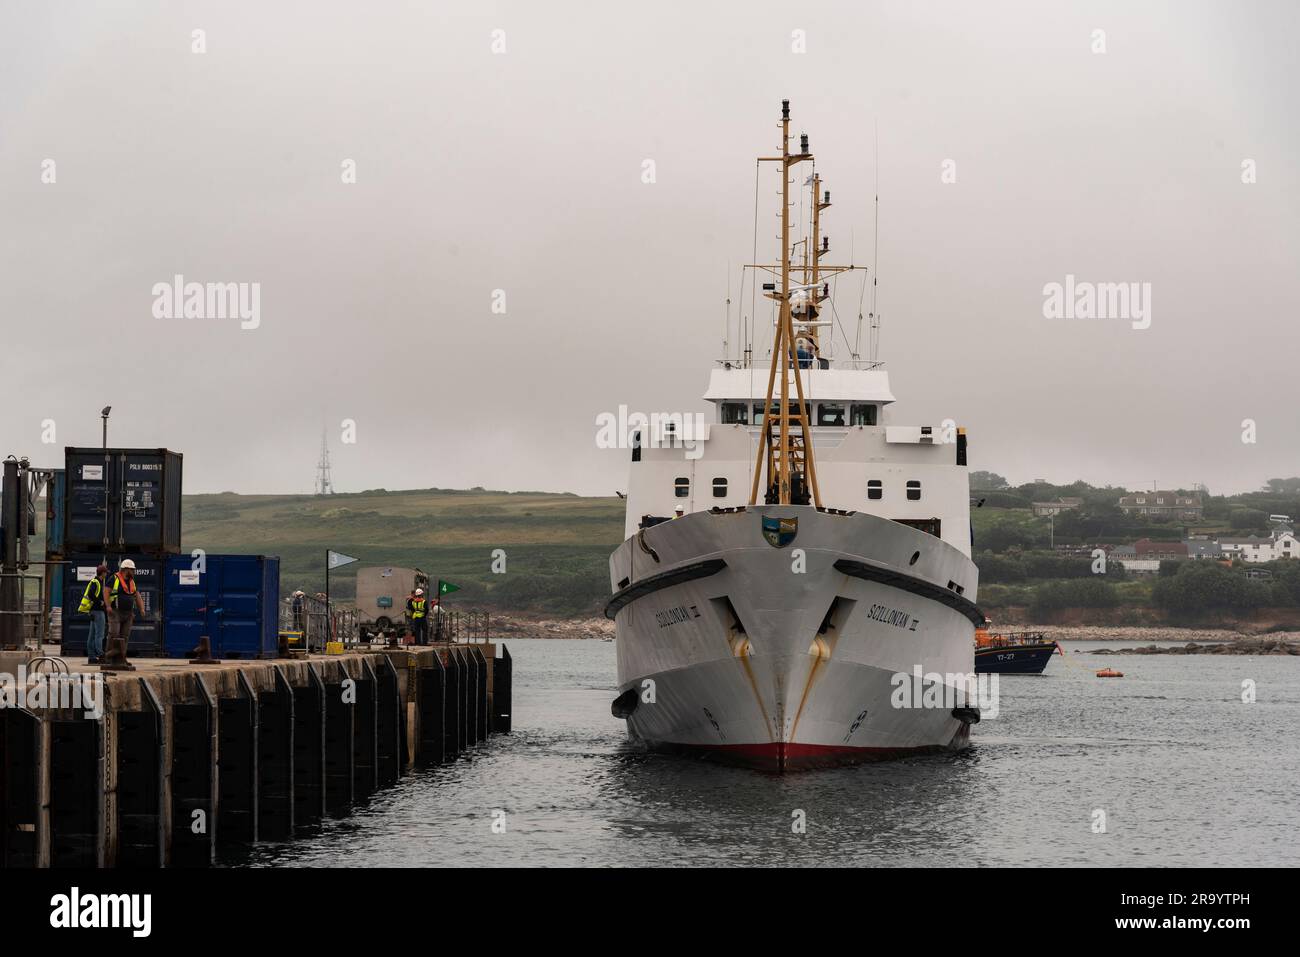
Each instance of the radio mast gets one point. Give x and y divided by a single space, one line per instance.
324 485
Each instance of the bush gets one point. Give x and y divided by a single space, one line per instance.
1247 518
1002 499
1208 586
1003 535
999 568
1002 596
1091 592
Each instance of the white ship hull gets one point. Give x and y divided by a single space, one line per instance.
728 650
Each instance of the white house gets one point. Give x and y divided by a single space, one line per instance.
1282 544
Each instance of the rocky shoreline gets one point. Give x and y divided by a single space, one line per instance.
507 627
1243 646
1150 634
513 626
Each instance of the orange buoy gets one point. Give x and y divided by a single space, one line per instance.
1110 673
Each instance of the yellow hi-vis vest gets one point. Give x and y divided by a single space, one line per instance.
417 607
87 601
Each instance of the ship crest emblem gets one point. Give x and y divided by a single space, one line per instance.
780 532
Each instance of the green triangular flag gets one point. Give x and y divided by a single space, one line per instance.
445 588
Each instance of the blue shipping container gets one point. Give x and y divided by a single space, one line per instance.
146 631
129 497
233 599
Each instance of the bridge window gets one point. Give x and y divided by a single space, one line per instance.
682 487
914 491
636 446
830 413
719 488
875 489
735 413
862 414
776 409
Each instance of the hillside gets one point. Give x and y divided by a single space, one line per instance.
556 545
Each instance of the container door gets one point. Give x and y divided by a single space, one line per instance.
141 500
241 606
186 604
147 630
76 625
88 477
270 607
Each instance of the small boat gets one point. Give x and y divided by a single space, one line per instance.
1110 673
1015 653
608 638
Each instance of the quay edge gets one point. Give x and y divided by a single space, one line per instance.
186 758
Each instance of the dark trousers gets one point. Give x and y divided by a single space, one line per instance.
420 627
121 623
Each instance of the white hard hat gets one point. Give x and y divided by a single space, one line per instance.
419 591
127 563
679 509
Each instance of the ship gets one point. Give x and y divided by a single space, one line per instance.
1013 653
796 573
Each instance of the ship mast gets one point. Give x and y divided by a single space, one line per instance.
785 450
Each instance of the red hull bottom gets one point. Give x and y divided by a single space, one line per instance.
781 756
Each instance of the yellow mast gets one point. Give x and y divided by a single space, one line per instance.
791 473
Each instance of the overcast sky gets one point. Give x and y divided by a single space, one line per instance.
522 171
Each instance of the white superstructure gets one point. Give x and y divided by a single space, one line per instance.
899 472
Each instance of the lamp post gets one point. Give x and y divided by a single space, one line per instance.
103 414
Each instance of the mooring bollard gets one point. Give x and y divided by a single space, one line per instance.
204 656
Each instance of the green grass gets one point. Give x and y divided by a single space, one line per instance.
556 546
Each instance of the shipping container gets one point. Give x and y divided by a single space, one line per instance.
146 632
122 500
233 599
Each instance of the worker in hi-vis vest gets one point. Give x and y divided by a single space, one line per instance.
123 602
93 604
417 609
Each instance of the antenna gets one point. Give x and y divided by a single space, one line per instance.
324 485
873 342
726 326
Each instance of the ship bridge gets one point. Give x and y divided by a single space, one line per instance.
836 397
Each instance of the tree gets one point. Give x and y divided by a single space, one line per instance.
1279 486
987 480
1208 586
1246 518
